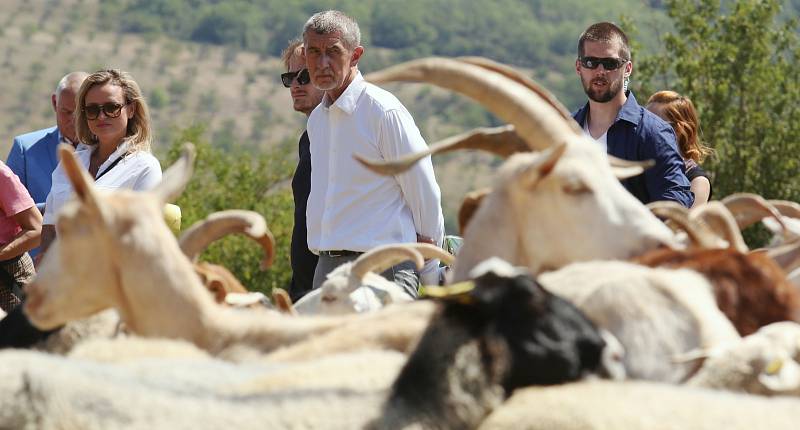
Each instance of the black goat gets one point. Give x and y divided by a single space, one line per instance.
508 332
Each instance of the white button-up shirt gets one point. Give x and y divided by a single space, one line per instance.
350 207
138 171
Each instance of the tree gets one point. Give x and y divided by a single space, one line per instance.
737 62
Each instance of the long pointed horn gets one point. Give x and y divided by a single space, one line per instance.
536 121
529 83
220 224
82 183
383 257
786 208
717 217
502 141
176 176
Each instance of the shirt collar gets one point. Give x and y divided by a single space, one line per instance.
631 111
121 150
348 99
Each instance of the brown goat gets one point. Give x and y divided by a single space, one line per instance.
750 289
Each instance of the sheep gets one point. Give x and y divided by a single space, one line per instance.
656 314
355 287
569 183
601 405
766 362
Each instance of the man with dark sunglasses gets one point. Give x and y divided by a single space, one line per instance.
614 119
304 98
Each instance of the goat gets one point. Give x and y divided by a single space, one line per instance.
355 286
656 314
536 194
766 362
600 405
139 269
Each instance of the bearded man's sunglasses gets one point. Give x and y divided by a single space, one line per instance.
302 78
607 62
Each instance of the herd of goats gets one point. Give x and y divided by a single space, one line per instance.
570 305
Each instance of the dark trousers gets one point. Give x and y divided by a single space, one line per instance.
403 274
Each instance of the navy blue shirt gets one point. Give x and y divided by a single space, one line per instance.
637 135
304 262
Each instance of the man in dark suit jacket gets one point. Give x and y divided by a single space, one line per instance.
305 98
33 155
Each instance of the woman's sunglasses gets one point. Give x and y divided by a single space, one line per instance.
112 110
302 77
607 62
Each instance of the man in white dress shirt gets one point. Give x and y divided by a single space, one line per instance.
350 209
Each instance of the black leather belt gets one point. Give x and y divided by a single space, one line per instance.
340 253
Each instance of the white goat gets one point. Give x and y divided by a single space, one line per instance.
639 405
357 287
547 209
656 314
766 362
138 268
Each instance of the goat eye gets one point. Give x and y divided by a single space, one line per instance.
328 299
576 188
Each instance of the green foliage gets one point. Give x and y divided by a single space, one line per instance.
240 180
737 61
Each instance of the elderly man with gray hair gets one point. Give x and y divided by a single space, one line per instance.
33 155
350 209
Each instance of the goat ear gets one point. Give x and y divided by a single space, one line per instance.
624 169
544 164
82 183
177 176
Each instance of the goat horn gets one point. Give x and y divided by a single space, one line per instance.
679 216
717 217
536 121
787 256
624 169
383 257
220 224
430 251
516 76
282 301
748 209
502 141
176 176
786 208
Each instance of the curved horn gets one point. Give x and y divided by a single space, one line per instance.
502 141
383 257
787 256
679 216
219 224
536 121
786 208
430 251
748 209
717 217
529 83
176 176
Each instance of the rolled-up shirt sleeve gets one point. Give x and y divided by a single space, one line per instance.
667 179
399 136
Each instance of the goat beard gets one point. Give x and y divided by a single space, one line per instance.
602 96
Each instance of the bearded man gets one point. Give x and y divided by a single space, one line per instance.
614 119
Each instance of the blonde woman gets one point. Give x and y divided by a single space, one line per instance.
680 113
113 127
